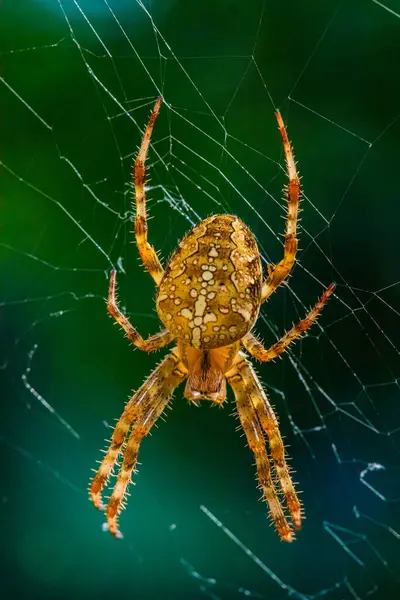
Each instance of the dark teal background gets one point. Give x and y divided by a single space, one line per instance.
77 84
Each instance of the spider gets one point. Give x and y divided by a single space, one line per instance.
209 296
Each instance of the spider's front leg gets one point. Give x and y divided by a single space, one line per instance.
251 404
270 426
135 407
142 410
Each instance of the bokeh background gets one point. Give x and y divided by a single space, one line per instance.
77 81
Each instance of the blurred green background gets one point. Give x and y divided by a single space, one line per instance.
78 79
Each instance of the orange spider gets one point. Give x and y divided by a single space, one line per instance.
208 298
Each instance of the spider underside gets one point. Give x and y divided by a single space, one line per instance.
208 298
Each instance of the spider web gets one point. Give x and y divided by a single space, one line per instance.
78 80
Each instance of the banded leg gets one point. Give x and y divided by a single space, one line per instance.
170 374
144 399
239 382
257 350
278 273
250 393
149 256
155 342
270 425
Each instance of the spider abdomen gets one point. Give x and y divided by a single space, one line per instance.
210 293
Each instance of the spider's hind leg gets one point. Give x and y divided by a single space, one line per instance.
146 250
278 273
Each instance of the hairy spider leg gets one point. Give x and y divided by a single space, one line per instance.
149 256
278 273
154 342
243 385
256 348
158 389
269 423
144 400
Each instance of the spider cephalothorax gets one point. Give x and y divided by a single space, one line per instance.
209 296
